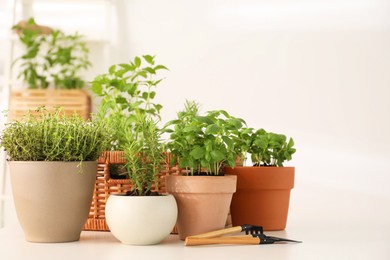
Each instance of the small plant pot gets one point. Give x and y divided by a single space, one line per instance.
203 202
141 220
52 199
262 197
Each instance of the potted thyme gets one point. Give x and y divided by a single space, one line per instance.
263 190
52 159
51 66
203 145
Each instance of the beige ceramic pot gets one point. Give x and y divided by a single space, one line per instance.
52 199
262 197
203 202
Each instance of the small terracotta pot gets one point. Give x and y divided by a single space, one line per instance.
203 202
262 197
52 199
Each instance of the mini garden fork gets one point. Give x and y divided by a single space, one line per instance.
254 236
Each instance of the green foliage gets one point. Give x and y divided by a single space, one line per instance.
203 143
143 153
128 89
54 57
54 137
269 149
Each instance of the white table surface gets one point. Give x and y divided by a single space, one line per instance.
332 224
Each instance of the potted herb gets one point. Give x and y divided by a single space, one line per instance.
142 217
127 95
52 159
203 145
263 190
52 67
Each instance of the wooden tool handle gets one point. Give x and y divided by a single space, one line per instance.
220 232
247 240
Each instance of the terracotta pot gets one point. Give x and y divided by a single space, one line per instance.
262 197
203 202
141 220
52 199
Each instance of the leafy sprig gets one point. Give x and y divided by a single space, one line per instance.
128 89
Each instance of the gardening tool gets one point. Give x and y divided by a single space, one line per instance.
254 236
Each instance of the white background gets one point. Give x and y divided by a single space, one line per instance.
318 71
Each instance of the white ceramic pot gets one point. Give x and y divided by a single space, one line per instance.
141 220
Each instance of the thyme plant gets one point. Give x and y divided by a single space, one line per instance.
54 136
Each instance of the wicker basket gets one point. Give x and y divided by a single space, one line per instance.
105 185
71 100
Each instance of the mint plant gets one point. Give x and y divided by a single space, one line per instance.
54 136
270 149
128 89
203 144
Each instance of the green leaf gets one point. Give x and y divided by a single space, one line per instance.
198 152
137 61
126 66
160 67
204 119
158 107
145 95
152 94
121 100
217 155
97 88
190 129
290 143
236 123
212 129
149 59
150 70
228 142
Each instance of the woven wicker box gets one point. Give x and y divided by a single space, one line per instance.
105 185
22 101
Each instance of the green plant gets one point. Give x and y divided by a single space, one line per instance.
54 136
51 57
33 68
127 90
144 154
203 143
67 55
270 149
